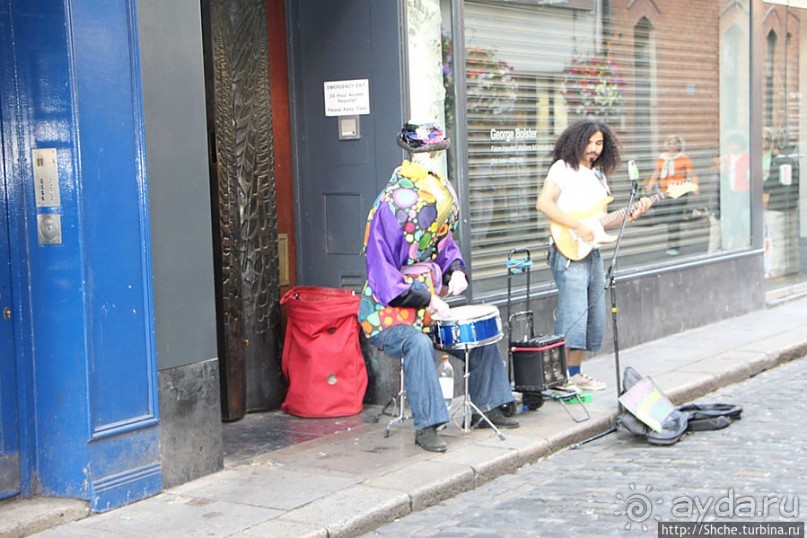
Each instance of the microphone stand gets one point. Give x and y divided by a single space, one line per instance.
610 283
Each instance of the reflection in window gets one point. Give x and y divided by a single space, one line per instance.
734 162
643 77
782 198
425 55
532 70
770 58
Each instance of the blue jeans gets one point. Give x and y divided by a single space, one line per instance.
581 299
488 384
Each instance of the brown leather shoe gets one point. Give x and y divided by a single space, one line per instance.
428 439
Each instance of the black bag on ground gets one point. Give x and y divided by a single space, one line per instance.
690 417
710 416
673 427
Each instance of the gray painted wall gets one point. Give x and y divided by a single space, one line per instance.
181 239
179 187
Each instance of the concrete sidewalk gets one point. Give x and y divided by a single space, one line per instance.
351 482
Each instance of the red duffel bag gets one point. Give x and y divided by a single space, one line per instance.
322 358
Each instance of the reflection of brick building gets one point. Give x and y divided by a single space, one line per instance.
669 56
780 88
780 83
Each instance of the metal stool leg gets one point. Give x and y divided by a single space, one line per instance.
398 403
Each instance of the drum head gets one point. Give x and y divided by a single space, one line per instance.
466 327
469 312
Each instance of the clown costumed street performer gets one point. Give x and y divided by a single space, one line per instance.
410 254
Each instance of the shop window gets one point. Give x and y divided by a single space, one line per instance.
652 75
784 233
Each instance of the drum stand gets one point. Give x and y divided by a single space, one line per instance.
468 405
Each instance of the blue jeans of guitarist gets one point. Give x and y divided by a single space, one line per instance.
581 299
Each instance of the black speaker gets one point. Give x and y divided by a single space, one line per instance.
538 363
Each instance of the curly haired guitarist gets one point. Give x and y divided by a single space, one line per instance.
574 197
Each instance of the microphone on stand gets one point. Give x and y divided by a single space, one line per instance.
633 174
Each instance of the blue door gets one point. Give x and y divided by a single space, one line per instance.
9 445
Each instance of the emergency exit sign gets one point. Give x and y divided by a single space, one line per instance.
347 97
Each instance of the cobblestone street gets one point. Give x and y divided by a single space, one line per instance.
621 486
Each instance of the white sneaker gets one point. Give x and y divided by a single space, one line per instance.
569 387
584 382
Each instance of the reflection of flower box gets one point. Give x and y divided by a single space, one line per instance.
490 82
592 86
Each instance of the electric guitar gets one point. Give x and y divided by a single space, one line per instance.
571 245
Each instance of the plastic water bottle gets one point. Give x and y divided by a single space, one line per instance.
445 373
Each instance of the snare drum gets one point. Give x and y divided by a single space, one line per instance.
467 326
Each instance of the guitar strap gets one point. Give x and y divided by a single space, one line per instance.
601 177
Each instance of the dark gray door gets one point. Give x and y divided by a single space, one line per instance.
337 180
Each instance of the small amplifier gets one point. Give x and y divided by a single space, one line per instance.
538 363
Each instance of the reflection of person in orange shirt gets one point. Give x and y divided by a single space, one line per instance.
673 167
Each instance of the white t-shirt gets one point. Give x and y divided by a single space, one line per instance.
580 190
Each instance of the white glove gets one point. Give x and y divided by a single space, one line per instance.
439 307
457 283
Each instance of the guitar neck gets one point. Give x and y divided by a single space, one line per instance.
618 215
